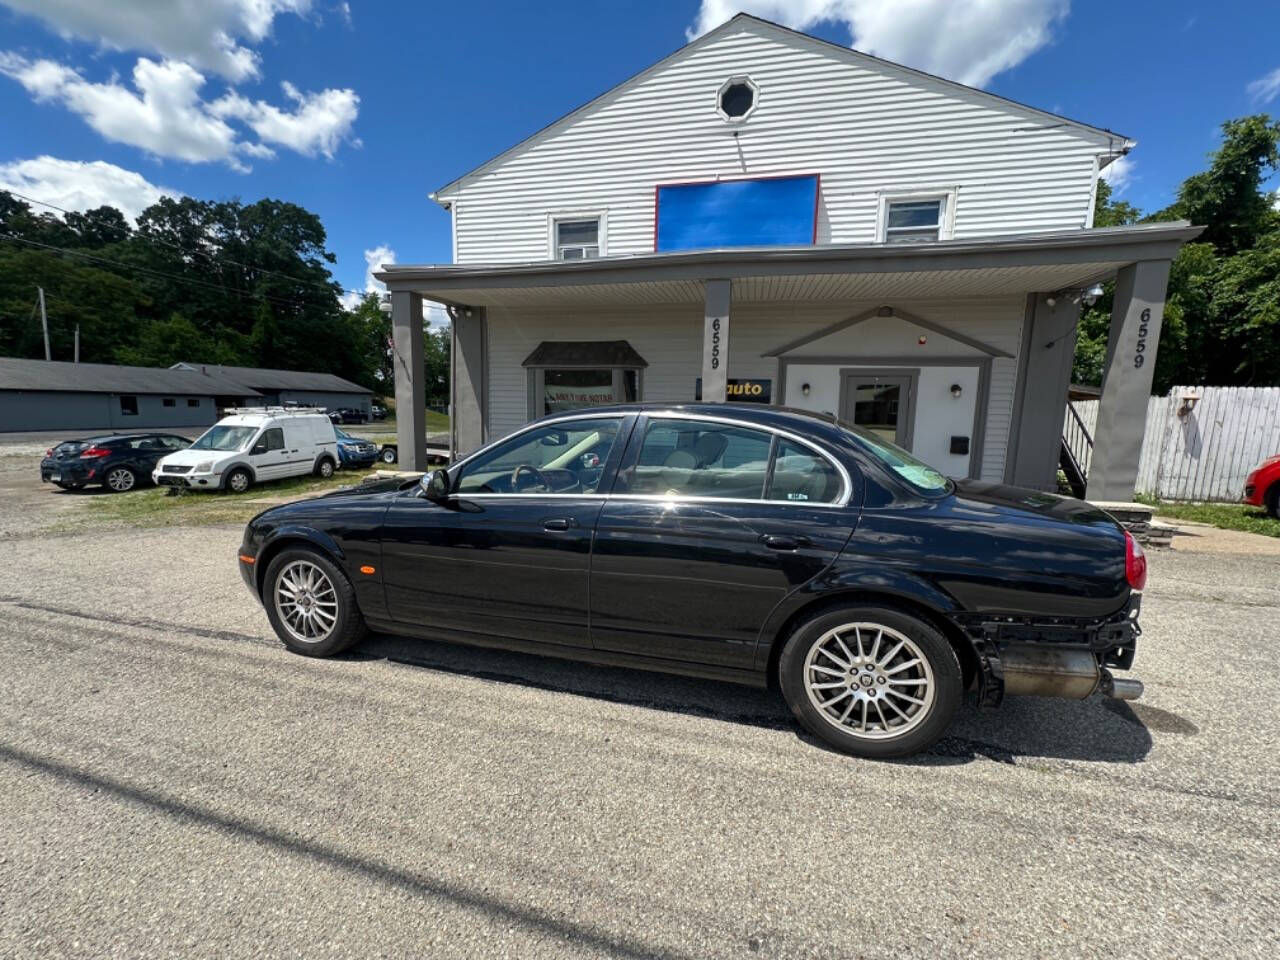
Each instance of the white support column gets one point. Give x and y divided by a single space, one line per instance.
715 342
1126 382
411 393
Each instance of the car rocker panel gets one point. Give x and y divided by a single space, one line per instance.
872 590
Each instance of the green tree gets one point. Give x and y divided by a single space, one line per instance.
1222 312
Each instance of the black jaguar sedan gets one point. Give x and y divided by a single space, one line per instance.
754 544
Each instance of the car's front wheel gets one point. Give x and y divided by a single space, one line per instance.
238 480
1273 500
388 455
871 681
311 604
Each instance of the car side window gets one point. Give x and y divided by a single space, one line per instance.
563 457
175 443
699 458
801 475
272 439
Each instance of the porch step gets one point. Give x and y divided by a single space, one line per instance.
1136 518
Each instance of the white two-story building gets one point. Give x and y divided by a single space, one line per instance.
765 217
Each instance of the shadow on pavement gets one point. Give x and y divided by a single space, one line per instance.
1097 729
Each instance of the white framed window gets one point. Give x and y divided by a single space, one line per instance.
916 217
577 236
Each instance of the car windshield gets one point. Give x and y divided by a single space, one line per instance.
224 438
915 472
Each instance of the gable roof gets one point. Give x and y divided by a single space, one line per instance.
1123 144
260 378
17 373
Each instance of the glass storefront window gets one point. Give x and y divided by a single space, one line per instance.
563 390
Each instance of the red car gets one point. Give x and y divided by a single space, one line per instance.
1262 487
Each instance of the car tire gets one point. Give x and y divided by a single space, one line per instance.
119 480
849 678
325 468
237 481
331 621
1273 500
388 455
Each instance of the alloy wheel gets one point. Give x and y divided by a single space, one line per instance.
306 602
869 680
121 480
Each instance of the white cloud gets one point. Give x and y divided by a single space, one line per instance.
318 124
1266 88
969 41
204 33
1119 173
374 259
168 118
73 185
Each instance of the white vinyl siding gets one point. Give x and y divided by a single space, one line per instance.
669 337
870 130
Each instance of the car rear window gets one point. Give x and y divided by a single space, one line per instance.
916 473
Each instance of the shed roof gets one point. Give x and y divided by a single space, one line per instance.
17 373
264 379
584 353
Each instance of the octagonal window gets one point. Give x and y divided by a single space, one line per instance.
737 98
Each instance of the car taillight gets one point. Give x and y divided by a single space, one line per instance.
49 452
1135 562
91 453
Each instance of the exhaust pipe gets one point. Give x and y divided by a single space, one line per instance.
1045 671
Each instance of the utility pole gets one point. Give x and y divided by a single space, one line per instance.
44 322
77 343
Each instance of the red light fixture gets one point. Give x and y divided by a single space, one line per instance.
1135 562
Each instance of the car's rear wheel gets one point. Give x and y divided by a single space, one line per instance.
324 468
120 480
311 604
871 681
238 480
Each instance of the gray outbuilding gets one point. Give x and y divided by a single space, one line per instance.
302 387
52 395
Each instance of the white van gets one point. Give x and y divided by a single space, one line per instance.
253 445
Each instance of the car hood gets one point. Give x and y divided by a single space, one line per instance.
190 457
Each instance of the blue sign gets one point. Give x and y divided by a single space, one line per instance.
775 211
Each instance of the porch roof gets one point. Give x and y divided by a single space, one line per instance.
991 266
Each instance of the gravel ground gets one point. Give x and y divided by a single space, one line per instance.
173 783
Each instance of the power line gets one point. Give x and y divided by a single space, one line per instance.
184 250
154 273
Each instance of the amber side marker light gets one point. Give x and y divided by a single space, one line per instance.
368 569
245 558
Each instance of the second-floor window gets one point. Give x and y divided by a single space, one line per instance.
914 220
577 239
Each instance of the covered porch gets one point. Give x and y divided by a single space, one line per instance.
959 350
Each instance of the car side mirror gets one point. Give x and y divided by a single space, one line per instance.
257 449
435 485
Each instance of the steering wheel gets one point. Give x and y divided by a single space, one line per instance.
538 477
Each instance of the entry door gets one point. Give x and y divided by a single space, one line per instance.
881 403
269 455
508 555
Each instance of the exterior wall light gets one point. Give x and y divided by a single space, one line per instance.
956 391
804 389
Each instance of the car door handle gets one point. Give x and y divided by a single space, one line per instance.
559 523
781 542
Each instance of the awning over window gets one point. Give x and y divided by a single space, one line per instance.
585 353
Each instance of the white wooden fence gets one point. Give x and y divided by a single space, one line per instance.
1206 453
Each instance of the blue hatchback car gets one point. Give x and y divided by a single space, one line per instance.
355 452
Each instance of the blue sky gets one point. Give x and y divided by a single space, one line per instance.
358 111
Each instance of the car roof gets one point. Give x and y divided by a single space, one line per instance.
760 414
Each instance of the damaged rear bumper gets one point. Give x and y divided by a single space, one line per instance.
1060 657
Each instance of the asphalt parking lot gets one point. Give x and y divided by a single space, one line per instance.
173 783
